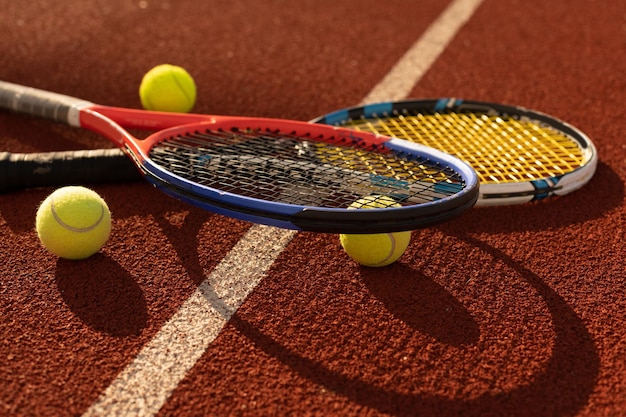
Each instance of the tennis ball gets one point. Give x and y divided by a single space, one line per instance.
73 222
377 249
168 88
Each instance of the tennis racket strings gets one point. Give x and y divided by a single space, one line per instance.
283 168
500 148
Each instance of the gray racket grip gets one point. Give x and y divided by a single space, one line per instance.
19 171
35 102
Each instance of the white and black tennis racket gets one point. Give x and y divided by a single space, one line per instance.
271 171
519 155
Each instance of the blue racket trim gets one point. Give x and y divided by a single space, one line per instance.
377 109
319 219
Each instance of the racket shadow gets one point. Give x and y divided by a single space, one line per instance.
422 304
103 295
569 375
199 253
602 194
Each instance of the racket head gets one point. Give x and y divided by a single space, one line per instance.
273 172
520 155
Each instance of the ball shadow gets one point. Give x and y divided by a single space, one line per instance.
422 304
103 295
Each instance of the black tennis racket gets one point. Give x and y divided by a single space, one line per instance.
46 169
519 155
271 171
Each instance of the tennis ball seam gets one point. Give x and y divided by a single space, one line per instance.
361 250
72 228
69 224
168 88
181 87
391 250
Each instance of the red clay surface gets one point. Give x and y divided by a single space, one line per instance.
512 311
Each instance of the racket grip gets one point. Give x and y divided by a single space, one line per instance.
41 103
19 170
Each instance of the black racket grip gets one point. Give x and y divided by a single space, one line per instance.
29 170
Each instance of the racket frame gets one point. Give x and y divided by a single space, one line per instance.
320 219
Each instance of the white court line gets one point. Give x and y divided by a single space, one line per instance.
149 379
407 72
146 383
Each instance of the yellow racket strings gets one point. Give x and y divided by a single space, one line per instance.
500 149
380 164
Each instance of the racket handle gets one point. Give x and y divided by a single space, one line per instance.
20 170
41 103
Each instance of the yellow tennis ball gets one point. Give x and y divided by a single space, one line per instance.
73 222
168 88
377 249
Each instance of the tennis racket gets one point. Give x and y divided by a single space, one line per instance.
519 155
260 169
45 169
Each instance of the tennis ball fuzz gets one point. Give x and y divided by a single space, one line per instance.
73 222
377 249
168 88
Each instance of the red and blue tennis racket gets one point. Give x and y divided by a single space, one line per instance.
290 174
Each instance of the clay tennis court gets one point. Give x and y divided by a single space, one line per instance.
504 311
